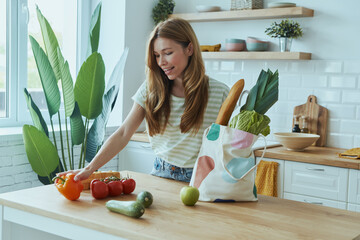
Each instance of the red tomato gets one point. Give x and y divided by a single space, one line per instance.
128 185
115 188
99 189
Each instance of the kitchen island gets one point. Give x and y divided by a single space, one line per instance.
33 213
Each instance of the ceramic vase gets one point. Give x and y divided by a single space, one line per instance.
285 44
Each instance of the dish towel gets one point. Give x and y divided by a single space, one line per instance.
266 178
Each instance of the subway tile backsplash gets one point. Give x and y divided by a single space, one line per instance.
335 83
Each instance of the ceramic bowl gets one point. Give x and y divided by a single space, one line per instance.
206 8
295 141
256 44
234 44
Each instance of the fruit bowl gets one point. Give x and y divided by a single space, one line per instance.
296 141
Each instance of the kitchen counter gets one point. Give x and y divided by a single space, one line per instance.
316 155
43 208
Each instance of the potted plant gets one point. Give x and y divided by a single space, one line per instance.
162 10
88 100
286 30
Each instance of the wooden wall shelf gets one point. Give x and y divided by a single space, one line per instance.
257 55
268 13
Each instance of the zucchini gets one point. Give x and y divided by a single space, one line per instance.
145 198
133 209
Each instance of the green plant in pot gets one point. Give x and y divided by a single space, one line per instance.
162 10
87 104
286 30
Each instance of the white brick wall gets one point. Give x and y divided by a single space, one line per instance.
16 172
336 84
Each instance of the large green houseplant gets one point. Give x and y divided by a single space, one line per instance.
87 104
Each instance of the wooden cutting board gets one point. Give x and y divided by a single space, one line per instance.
317 118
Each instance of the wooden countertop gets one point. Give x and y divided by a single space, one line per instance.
316 155
168 218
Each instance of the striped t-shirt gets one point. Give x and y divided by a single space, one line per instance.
174 147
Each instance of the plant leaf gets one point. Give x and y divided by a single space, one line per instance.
50 42
47 77
77 126
67 85
90 85
96 135
41 152
45 180
94 33
35 114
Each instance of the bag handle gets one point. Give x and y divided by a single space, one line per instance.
262 156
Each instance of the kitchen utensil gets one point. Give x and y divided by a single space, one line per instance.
317 118
205 8
296 141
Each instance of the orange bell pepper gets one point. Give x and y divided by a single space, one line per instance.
68 187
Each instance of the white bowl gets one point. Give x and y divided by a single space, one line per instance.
206 8
296 141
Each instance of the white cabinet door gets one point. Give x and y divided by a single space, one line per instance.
353 207
316 180
280 175
137 157
354 186
314 200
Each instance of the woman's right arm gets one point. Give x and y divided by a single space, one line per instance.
115 143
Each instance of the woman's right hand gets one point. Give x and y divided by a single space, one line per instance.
81 174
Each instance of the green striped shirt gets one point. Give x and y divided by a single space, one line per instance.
174 147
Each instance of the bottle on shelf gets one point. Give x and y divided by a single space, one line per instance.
296 124
304 124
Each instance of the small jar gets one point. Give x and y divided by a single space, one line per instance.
304 124
296 124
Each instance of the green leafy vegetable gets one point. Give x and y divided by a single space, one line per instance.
252 122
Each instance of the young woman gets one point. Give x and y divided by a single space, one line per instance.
177 100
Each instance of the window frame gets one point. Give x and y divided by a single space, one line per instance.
16 57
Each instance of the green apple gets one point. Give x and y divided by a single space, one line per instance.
189 195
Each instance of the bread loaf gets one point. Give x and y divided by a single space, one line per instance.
229 104
98 175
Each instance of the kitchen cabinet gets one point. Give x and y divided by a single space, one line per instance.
137 156
280 174
314 200
354 190
44 209
268 13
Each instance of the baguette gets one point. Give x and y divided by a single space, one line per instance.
229 104
98 175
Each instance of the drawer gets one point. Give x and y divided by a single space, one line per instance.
137 157
316 201
354 186
316 180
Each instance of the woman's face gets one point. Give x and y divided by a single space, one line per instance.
171 57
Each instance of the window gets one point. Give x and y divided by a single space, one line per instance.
18 20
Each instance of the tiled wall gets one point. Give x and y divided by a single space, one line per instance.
335 83
16 172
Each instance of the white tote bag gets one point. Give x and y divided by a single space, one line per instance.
225 169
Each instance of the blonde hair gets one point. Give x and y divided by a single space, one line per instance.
196 83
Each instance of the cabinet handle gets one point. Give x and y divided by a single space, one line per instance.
316 169
317 203
145 146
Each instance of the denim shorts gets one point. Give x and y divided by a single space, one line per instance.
166 170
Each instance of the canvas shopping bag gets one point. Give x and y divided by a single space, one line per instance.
225 169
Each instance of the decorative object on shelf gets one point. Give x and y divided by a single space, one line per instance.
162 10
87 100
210 48
246 4
234 44
205 8
281 4
256 44
286 30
